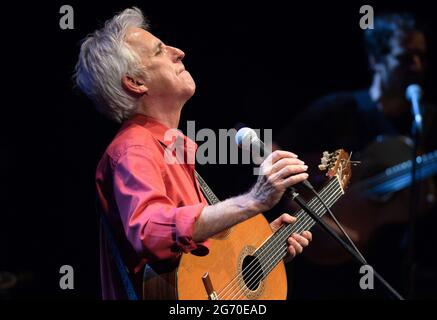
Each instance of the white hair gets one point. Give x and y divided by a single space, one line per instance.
104 59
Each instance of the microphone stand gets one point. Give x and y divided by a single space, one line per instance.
302 203
414 203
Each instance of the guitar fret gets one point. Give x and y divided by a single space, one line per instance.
279 239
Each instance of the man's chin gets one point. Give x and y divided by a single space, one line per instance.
188 92
191 90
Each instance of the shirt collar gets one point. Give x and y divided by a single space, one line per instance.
159 131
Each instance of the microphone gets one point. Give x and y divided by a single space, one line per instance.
414 95
247 137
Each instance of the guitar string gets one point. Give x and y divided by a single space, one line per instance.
307 225
280 234
385 177
307 221
277 250
280 247
399 181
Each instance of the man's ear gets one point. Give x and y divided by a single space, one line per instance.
133 85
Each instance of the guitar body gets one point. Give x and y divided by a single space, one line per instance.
227 253
225 261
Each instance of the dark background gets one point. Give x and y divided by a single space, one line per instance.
257 64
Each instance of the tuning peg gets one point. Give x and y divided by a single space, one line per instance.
326 156
322 167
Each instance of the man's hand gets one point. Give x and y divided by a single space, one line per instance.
296 242
280 170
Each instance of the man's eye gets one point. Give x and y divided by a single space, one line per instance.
160 50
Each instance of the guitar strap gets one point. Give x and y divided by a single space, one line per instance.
207 192
115 252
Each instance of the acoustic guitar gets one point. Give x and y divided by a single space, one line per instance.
246 261
379 196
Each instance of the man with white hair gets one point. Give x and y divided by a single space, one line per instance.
156 210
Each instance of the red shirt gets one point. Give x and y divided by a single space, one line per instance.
151 205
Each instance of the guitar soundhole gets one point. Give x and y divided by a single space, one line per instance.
252 272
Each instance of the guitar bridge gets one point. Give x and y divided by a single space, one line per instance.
212 295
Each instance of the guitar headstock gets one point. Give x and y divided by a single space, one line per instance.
338 164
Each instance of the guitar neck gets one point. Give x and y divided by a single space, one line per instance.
399 176
275 248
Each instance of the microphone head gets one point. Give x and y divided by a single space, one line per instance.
245 137
413 90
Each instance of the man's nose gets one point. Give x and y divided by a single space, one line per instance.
177 54
417 64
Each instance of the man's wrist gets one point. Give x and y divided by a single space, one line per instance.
252 205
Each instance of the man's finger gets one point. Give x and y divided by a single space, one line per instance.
290 181
278 155
291 251
296 245
286 218
301 240
285 162
307 234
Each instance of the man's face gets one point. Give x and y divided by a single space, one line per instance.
167 77
405 64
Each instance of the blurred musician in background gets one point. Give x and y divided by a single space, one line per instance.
375 123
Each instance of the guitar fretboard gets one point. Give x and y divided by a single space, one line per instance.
275 248
399 176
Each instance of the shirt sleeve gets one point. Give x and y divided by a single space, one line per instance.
152 222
